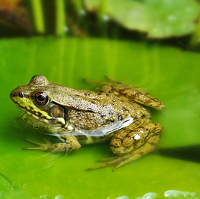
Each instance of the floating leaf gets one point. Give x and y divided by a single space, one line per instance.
158 18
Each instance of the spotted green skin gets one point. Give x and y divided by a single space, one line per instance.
82 117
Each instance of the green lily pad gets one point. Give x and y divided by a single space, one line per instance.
158 18
168 73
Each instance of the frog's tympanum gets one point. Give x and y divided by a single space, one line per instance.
83 117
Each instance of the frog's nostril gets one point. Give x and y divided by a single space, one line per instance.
16 93
21 94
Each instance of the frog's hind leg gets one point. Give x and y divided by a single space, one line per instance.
133 94
129 92
132 145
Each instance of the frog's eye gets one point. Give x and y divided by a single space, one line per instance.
41 98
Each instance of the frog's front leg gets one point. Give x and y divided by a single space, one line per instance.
132 145
68 144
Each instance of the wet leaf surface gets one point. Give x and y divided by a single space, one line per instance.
168 73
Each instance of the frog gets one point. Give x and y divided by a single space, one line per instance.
117 113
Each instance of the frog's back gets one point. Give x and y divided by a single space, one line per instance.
91 110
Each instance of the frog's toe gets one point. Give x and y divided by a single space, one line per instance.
98 167
120 164
113 81
33 148
32 142
108 81
39 146
107 159
109 162
55 148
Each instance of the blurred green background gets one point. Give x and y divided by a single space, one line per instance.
164 70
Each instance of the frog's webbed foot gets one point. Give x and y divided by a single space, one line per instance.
109 162
69 143
118 161
47 146
122 160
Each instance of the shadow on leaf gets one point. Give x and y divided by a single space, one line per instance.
188 153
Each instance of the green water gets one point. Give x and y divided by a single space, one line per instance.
168 73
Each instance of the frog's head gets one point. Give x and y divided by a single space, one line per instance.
36 100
